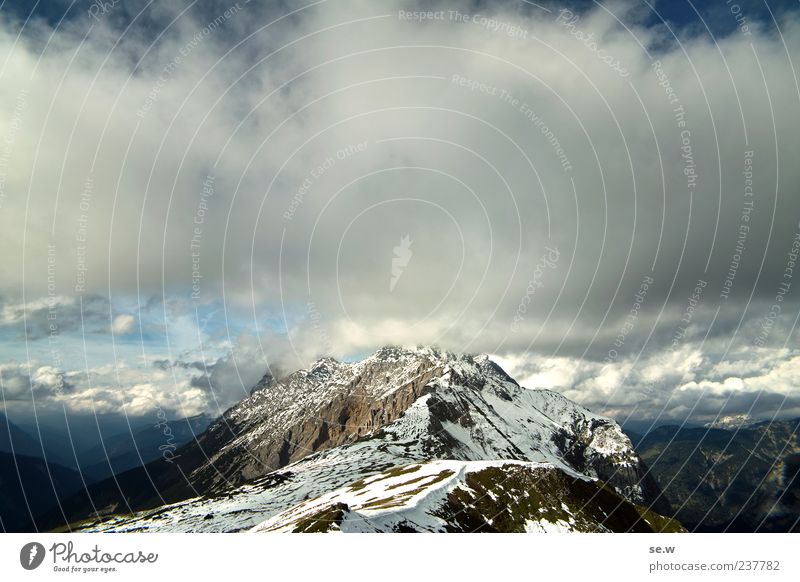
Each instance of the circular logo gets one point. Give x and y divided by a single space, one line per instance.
31 555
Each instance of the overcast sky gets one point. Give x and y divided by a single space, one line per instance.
605 197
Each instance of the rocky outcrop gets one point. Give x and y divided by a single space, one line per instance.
347 412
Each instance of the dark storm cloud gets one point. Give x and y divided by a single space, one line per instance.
34 320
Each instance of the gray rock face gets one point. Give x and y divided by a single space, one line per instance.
328 405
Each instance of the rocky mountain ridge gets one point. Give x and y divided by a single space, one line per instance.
331 425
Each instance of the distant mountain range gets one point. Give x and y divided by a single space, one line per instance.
15 440
405 440
133 449
26 490
734 479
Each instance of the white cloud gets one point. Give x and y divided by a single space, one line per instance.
124 323
106 389
670 386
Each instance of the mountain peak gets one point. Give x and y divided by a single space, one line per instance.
324 367
396 352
